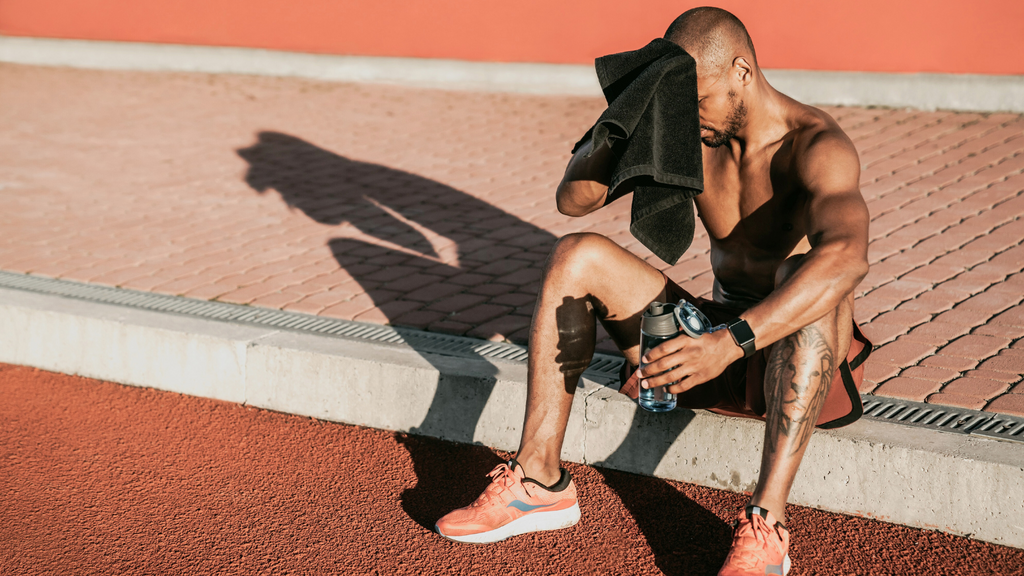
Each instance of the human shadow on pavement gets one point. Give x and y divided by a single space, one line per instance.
438 249
444 260
440 256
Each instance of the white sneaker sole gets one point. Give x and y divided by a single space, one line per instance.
786 565
536 522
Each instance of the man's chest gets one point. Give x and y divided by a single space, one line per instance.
757 202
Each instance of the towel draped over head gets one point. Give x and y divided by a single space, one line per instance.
653 128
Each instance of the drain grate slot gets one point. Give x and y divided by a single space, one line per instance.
1002 427
611 365
922 415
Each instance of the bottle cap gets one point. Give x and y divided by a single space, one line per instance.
659 320
691 320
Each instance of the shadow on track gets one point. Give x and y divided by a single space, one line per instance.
686 538
448 476
443 260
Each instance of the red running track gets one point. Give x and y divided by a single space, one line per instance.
98 478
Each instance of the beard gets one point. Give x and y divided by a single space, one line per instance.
733 123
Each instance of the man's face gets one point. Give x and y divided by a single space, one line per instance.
722 112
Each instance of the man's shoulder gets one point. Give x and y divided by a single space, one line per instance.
818 132
823 153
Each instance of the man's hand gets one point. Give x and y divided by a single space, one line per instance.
691 361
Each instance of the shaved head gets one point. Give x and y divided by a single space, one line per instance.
714 37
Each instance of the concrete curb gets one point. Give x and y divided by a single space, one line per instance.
954 483
962 92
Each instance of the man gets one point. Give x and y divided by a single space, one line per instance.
789 235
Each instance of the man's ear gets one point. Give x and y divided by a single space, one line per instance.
743 70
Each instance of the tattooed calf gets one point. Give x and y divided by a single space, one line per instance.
797 382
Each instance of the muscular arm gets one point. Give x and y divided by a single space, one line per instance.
836 221
837 229
585 185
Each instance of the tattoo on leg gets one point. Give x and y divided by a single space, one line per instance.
797 382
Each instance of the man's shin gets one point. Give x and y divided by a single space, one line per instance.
797 381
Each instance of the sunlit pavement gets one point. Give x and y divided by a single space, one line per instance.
434 210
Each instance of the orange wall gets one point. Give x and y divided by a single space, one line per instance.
960 36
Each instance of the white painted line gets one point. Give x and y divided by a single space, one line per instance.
416 72
966 92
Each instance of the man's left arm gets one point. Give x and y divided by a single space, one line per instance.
837 229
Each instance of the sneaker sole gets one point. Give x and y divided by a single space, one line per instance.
774 568
536 522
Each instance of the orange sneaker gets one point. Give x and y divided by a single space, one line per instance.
760 545
513 504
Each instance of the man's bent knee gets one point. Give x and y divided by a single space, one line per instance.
580 253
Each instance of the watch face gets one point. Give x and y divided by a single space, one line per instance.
742 332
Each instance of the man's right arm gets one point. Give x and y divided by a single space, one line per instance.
585 185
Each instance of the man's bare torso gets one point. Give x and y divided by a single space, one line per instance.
753 208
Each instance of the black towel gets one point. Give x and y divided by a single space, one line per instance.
653 126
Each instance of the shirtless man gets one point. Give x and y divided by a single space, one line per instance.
789 236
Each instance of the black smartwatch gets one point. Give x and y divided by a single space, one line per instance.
743 336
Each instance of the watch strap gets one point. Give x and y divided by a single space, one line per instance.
743 336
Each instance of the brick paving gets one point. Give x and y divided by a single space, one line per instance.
434 210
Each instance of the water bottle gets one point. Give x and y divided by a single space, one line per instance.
659 323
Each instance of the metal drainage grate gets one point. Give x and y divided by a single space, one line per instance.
944 418
604 368
1001 427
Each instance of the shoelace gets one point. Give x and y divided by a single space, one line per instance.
745 550
503 475
502 478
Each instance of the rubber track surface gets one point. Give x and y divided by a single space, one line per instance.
99 478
